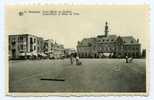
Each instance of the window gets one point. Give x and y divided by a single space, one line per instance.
137 54
31 44
38 48
20 38
13 39
34 40
89 44
21 47
132 41
79 55
31 40
34 47
18 47
13 42
110 49
51 44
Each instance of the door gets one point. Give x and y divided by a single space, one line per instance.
13 54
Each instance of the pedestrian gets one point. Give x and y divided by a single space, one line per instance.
78 62
71 58
75 56
126 59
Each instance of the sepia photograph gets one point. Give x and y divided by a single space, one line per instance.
77 49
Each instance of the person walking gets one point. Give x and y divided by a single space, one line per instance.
77 60
126 59
71 58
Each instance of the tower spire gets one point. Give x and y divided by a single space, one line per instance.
106 29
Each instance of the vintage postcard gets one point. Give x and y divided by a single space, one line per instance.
77 50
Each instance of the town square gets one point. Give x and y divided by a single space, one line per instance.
94 75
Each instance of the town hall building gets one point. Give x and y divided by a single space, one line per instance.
109 46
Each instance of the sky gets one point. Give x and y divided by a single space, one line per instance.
85 21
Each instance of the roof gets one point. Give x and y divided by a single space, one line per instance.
109 38
129 40
87 42
17 35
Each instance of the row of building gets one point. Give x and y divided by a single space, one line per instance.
109 46
26 46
